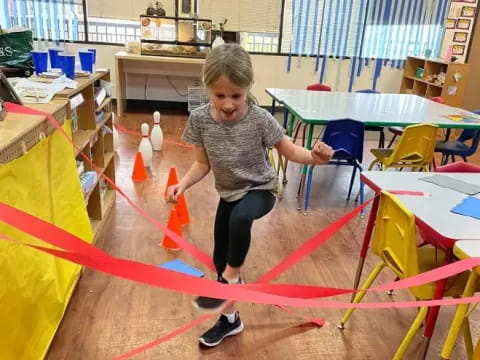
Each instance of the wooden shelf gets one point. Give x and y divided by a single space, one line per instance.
423 81
108 201
87 197
82 84
105 102
421 87
96 226
81 138
104 121
108 156
102 155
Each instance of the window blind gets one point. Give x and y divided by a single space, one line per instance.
244 15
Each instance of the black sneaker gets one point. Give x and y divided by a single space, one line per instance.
221 330
212 305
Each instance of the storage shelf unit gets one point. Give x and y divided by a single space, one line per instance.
92 139
452 90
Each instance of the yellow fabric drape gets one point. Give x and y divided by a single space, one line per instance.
36 287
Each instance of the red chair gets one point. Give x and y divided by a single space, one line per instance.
397 130
438 99
319 87
300 125
459 167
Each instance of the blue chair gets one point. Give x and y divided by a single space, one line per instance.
345 136
458 147
381 140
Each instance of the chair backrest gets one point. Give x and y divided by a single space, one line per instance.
394 238
415 146
459 167
469 134
346 137
437 99
319 87
367 91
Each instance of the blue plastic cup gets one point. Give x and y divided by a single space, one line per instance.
94 51
54 58
40 61
86 60
68 64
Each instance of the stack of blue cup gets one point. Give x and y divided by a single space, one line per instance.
86 60
55 59
68 64
40 61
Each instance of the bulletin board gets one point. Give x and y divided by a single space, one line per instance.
459 29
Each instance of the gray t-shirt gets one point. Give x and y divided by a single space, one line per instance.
237 152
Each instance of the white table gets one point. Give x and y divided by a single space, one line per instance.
151 65
434 211
319 107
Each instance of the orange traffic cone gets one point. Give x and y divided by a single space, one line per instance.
182 210
174 225
139 172
172 179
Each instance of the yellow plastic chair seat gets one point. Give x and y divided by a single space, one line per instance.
429 259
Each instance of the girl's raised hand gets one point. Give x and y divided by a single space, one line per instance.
321 153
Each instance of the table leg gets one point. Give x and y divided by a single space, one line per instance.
289 133
285 117
272 110
365 244
120 86
308 146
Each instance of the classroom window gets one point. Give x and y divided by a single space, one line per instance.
55 20
388 29
260 42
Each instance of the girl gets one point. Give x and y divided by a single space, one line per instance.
231 135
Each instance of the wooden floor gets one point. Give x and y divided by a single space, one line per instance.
108 317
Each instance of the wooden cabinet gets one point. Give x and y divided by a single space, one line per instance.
417 80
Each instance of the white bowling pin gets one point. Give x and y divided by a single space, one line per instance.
156 137
146 146
115 134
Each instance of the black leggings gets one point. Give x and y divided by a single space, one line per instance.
233 223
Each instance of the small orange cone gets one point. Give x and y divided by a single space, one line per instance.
174 225
139 172
172 179
182 210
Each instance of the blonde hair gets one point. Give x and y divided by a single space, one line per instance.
233 62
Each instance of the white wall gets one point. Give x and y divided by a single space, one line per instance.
270 71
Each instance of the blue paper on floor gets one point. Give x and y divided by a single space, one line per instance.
470 206
179 266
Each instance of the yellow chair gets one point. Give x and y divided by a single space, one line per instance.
281 166
414 149
460 320
394 240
